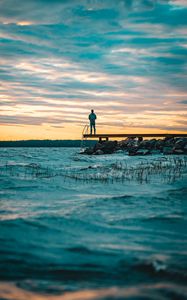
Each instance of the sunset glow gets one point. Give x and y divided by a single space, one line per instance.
124 59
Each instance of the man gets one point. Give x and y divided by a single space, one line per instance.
92 117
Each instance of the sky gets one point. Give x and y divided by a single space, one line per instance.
126 59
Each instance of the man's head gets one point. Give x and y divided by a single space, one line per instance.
92 111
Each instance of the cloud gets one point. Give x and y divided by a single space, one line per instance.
126 59
183 102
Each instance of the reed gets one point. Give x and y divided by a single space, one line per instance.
163 169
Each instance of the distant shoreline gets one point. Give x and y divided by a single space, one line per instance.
46 143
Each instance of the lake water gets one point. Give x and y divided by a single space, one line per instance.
100 227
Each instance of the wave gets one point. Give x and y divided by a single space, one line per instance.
160 270
172 218
122 197
80 249
56 230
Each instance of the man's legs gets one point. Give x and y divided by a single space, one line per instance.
91 128
94 128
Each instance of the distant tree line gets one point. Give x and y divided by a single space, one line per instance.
47 143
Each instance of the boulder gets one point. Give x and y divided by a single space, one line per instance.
123 144
147 152
88 151
119 151
180 143
169 141
98 146
178 151
140 139
155 151
98 152
167 150
177 146
132 143
133 151
140 152
159 144
109 147
169 145
185 147
152 143
143 144
128 142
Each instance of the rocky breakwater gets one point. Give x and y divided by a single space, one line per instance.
134 146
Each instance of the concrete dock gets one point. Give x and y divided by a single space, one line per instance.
107 136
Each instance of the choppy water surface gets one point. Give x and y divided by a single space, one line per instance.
100 227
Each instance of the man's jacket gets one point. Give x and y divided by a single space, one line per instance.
92 118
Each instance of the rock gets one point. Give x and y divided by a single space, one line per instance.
119 151
169 141
98 152
143 144
167 150
185 149
148 144
118 148
133 151
152 143
147 152
128 143
180 143
98 146
139 152
159 144
123 144
155 151
132 143
109 147
132 146
88 151
177 146
178 151
140 139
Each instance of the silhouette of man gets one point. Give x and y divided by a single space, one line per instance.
92 117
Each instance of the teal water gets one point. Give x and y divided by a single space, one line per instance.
112 226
